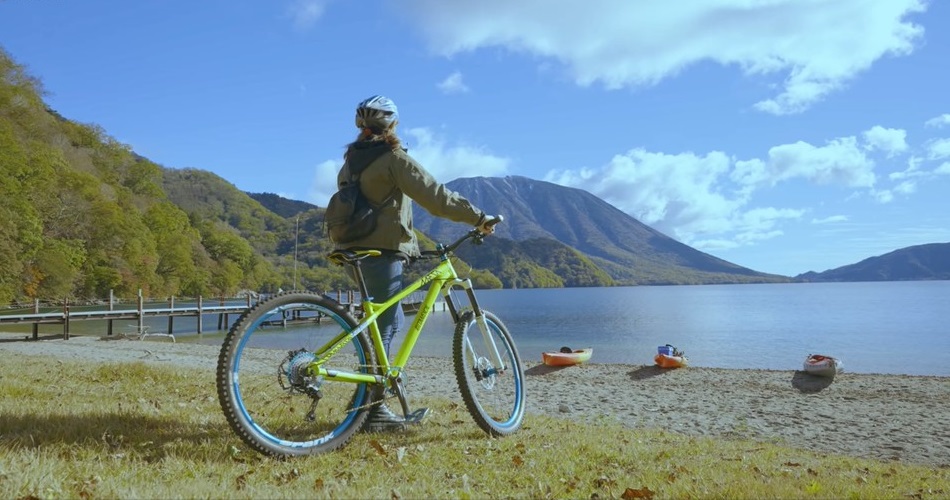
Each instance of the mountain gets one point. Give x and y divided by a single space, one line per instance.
543 214
921 262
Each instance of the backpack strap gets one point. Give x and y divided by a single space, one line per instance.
356 173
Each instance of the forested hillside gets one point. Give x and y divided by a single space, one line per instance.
82 214
282 206
538 263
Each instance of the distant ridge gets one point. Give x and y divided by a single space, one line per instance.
920 262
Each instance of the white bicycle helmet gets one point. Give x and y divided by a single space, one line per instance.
376 113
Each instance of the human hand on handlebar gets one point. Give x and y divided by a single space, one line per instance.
488 224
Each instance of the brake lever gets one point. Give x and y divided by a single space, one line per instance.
478 237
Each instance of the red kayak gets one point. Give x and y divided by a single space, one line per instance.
822 366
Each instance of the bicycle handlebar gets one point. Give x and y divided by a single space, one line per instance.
475 235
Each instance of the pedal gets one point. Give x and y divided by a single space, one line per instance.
417 416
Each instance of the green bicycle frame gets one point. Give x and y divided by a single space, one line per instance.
443 277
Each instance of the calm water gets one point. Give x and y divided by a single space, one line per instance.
880 327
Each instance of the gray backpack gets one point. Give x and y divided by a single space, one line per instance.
350 215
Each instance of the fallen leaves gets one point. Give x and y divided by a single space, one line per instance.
631 493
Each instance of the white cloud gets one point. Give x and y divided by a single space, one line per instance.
882 195
324 182
760 224
938 149
939 121
447 163
305 13
814 47
890 140
841 161
831 219
715 245
677 193
453 84
914 173
905 188
682 195
709 202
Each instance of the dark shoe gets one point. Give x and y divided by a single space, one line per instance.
382 419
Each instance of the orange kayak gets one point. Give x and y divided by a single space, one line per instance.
567 358
667 361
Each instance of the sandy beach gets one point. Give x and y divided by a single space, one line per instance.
886 417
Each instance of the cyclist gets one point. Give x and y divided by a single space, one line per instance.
391 178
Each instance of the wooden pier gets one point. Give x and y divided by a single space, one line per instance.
171 310
68 314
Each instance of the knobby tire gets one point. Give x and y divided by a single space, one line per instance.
263 390
494 398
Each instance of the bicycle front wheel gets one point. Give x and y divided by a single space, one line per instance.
492 386
270 399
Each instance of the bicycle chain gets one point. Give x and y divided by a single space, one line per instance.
370 404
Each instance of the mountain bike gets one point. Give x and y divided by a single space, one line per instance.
298 373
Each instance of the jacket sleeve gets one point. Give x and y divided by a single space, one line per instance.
417 183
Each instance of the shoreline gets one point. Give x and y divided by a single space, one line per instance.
877 416
191 338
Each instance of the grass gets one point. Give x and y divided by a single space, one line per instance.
73 430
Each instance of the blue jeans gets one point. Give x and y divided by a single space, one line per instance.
383 276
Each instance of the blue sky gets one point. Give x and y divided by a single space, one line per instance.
781 135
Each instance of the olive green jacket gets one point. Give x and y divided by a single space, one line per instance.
393 179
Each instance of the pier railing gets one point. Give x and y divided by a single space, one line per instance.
114 310
120 310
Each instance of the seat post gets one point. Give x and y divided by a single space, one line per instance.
360 282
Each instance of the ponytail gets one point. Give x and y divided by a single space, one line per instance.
388 136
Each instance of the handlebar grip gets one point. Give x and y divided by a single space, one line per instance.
495 220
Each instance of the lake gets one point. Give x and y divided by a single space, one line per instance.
874 327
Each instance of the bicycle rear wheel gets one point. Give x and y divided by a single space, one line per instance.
494 395
269 400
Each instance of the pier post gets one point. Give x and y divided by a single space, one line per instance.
171 314
36 326
199 315
111 308
141 321
222 317
66 318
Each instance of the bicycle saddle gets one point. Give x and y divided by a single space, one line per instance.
348 256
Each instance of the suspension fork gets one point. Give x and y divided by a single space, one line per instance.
466 284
